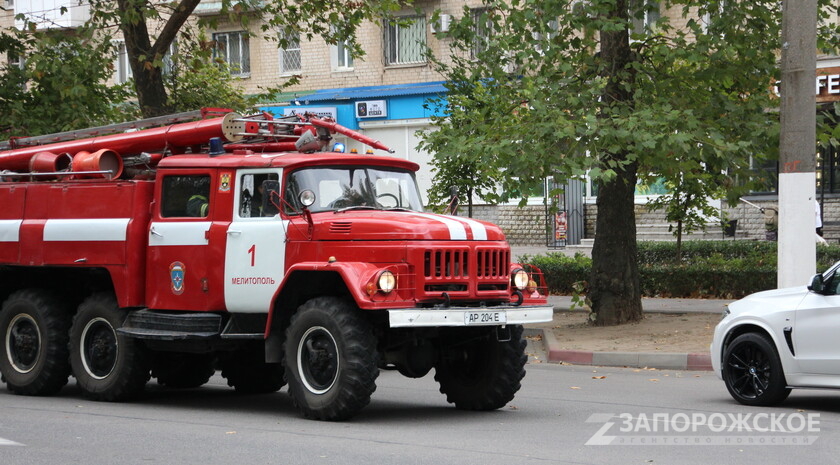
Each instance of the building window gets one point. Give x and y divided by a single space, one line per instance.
168 64
14 60
483 29
343 59
234 49
828 170
405 43
645 13
290 52
122 68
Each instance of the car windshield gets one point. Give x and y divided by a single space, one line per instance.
339 188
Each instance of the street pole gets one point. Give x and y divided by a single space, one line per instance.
797 147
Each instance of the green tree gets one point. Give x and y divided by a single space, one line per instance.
58 84
334 20
195 81
561 88
686 202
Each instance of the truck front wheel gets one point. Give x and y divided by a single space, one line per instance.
331 361
33 355
107 365
482 373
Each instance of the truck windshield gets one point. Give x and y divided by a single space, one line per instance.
345 187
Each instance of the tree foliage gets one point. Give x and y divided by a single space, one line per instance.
59 86
195 81
559 89
149 30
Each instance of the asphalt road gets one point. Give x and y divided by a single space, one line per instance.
560 416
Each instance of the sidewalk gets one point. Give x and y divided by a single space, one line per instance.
662 360
551 350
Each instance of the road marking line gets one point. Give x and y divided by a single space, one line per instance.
7 442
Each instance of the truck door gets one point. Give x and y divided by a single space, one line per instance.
255 255
179 269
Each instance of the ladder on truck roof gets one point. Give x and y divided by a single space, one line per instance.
17 142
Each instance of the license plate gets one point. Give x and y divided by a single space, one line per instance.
485 318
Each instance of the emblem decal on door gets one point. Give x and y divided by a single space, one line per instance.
224 182
177 271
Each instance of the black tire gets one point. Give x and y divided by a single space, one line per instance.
108 366
33 355
248 373
753 372
182 371
331 359
482 373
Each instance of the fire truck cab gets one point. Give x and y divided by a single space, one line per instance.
302 267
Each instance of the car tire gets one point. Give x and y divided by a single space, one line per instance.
34 326
483 373
108 366
331 359
752 371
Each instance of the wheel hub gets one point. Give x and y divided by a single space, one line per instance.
23 342
99 343
318 360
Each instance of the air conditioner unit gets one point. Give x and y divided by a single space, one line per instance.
442 24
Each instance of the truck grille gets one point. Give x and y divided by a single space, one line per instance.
446 263
493 263
473 272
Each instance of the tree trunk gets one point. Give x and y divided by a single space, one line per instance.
148 78
614 285
679 240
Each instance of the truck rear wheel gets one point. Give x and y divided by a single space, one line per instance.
483 373
107 365
331 361
33 355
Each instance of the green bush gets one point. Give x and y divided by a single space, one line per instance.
709 269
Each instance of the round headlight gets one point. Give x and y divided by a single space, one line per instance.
521 279
387 281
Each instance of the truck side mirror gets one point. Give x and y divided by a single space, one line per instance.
271 197
817 285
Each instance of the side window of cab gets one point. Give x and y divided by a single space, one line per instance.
253 198
185 196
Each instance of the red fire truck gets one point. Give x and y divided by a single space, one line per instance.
238 244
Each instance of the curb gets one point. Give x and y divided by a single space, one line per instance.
659 360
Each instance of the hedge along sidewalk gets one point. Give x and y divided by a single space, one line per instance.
715 269
664 360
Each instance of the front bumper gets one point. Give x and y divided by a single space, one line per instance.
468 316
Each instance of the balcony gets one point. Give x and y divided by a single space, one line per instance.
52 14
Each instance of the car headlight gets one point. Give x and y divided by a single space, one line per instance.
726 313
521 279
387 281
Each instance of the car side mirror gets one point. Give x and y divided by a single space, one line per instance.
817 284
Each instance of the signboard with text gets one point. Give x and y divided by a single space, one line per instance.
371 109
828 84
320 112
